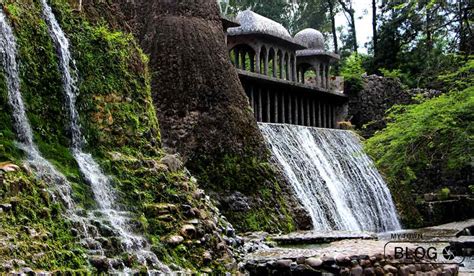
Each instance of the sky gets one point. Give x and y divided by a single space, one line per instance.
363 9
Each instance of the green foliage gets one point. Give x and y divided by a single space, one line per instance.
471 189
394 74
460 78
444 193
352 70
435 135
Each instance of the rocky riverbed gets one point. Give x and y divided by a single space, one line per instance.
312 253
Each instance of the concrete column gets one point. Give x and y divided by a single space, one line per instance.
323 115
268 103
283 103
290 108
297 110
308 112
318 75
323 77
236 58
243 63
265 63
334 119
259 105
275 107
328 69
313 113
282 64
257 60
302 106
288 67
294 68
274 64
252 98
252 62
319 114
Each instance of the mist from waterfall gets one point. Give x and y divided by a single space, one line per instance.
332 177
100 183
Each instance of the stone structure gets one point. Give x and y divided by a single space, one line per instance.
272 67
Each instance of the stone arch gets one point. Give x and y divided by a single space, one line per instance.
243 57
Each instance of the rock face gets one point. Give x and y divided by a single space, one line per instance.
369 105
202 108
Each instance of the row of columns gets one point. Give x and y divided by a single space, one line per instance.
322 74
283 62
287 108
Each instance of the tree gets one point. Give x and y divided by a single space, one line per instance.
349 12
374 26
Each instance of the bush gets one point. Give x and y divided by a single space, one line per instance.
352 71
444 193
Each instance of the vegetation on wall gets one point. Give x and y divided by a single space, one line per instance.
120 125
428 145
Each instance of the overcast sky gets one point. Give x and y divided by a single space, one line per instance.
363 14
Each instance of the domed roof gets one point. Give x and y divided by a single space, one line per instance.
311 38
251 22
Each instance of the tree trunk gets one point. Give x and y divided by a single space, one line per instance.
354 31
333 25
374 26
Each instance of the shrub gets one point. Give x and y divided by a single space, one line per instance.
444 193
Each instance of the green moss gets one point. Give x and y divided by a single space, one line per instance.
252 177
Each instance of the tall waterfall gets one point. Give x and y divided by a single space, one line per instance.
43 168
100 183
332 177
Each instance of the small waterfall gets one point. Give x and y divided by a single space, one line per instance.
44 169
332 177
100 183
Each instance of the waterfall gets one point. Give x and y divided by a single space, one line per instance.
100 183
44 169
332 177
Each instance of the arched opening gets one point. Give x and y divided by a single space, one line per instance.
243 57
272 63
263 61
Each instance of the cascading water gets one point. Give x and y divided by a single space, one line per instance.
332 177
44 169
100 183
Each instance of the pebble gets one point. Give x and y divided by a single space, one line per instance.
313 262
175 240
285 263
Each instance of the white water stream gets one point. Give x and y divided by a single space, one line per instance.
332 177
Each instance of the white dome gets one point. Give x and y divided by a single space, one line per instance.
311 38
251 22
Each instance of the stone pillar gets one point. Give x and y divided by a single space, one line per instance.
257 60
318 74
265 63
282 64
268 104
259 105
252 62
319 114
275 106
323 77
252 98
308 111
327 76
274 64
296 111
294 68
334 119
288 67
283 103
313 113
236 58
290 108
302 116
323 114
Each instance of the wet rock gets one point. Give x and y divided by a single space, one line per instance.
6 207
345 272
300 260
198 194
328 261
390 269
357 271
284 263
101 263
237 202
369 271
207 257
175 240
313 262
173 162
379 271
188 230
